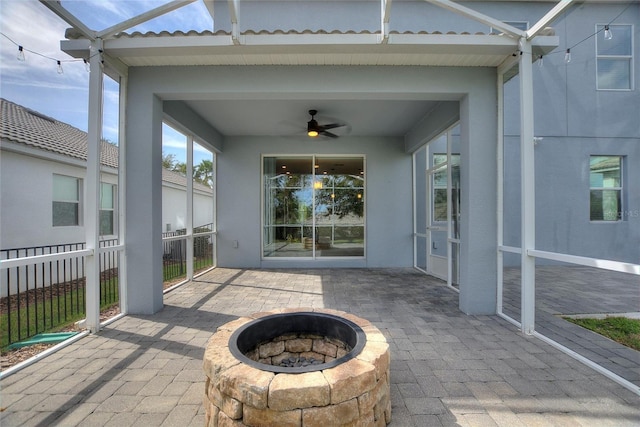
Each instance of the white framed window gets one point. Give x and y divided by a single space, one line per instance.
66 201
313 206
614 57
107 208
605 192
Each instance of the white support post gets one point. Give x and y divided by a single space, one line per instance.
385 16
122 196
92 187
189 241
500 191
449 213
528 200
235 26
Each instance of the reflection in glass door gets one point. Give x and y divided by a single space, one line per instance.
313 207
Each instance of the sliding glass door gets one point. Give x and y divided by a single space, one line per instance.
313 206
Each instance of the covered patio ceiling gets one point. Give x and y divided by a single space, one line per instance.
367 114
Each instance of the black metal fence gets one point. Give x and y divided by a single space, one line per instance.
47 295
175 252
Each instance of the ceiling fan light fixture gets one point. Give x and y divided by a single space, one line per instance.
312 128
312 125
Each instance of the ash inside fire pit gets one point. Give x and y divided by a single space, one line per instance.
297 342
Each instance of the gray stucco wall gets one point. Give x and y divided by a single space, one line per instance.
576 120
389 193
388 212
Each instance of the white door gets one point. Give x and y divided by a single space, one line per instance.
436 213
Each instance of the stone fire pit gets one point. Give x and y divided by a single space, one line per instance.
308 367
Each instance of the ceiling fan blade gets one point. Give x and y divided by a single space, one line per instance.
332 126
329 134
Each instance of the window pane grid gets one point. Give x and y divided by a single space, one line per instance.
313 207
65 201
605 181
614 58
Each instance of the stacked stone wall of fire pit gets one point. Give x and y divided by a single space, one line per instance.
353 393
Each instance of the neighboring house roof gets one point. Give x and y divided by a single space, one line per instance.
25 126
173 177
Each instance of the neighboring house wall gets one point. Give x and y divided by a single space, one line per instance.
34 148
26 193
174 202
575 121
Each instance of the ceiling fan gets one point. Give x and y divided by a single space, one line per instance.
314 129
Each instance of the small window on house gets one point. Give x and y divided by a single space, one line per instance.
66 201
606 188
614 57
107 208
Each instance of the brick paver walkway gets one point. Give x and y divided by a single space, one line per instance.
447 368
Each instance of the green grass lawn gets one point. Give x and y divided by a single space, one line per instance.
51 315
620 329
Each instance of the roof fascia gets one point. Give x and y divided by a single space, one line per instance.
548 18
264 44
143 17
36 152
69 18
477 16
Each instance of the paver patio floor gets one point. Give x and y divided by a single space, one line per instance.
447 368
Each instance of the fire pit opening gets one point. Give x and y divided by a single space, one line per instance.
297 367
297 342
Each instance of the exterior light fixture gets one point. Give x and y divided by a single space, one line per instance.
607 33
20 54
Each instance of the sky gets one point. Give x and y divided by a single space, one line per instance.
36 83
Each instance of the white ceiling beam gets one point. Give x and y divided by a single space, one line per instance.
477 16
69 18
548 18
144 17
